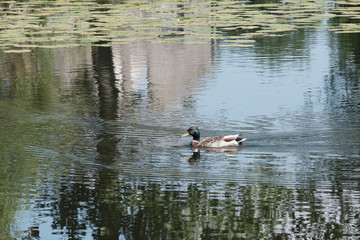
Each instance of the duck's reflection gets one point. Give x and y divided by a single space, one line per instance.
196 153
195 156
232 150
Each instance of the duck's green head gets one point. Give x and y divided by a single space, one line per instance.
192 131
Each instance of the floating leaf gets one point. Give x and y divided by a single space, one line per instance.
353 3
17 51
60 45
25 45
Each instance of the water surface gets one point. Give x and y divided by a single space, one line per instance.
90 145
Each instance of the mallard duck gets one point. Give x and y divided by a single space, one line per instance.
219 141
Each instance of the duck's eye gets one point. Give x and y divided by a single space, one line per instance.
194 132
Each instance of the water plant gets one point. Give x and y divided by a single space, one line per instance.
44 24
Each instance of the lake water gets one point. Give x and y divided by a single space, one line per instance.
90 145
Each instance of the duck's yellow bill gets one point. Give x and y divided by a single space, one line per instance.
185 134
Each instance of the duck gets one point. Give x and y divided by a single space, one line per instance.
213 142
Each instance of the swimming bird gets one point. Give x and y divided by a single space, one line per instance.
219 141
